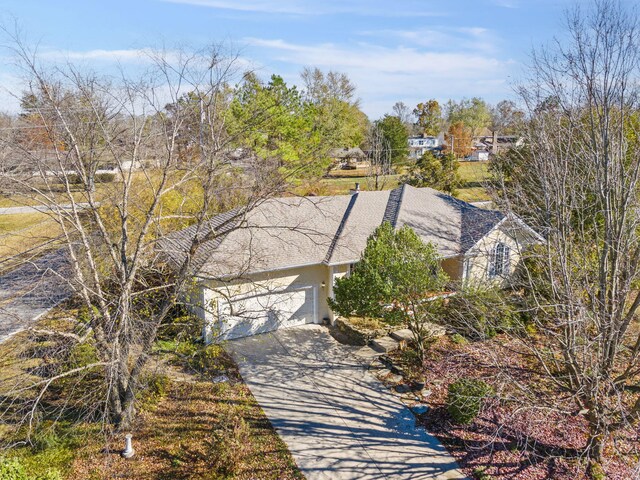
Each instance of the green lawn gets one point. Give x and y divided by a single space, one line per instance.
473 194
474 172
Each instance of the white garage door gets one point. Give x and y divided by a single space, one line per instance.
261 313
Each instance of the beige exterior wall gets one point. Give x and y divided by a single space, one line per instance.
475 266
261 283
334 272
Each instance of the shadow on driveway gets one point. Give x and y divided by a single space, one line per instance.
338 421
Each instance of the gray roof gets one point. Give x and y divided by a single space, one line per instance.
353 152
294 231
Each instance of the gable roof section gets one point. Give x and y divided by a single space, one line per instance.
176 244
367 213
434 216
290 232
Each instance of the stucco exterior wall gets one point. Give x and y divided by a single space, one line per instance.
475 266
261 283
334 272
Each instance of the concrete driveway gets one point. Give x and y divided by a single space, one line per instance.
338 421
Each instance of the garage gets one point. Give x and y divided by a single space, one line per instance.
265 311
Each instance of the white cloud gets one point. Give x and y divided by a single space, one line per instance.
374 58
449 39
128 63
144 56
412 8
506 3
123 55
265 6
381 72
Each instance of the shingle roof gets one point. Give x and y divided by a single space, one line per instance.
287 232
353 152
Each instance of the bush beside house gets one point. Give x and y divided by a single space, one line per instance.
396 275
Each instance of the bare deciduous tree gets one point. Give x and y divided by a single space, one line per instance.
133 134
379 158
577 183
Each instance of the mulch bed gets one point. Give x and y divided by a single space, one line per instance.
175 440
515 437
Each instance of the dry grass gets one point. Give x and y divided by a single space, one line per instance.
23 231
341 186
366 323
346 173
176 440
196 429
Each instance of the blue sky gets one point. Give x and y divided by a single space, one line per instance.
400 50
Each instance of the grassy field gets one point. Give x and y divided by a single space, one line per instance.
473 194
23 231
474 172
473 175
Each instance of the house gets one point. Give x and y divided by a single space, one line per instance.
494 144
276 266
348 158
419 145
479 155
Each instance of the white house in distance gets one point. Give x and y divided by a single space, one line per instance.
419 145
275 267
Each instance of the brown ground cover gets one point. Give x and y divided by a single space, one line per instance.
191 423
516 436
199 430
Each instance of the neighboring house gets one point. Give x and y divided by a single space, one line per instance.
422 144
348 158
276 267
494 144
479 156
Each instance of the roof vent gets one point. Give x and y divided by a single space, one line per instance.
356 189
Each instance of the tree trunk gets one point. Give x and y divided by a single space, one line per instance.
597 437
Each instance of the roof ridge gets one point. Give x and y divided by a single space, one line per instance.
343 222
393 205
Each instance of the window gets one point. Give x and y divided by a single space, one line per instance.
499 261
